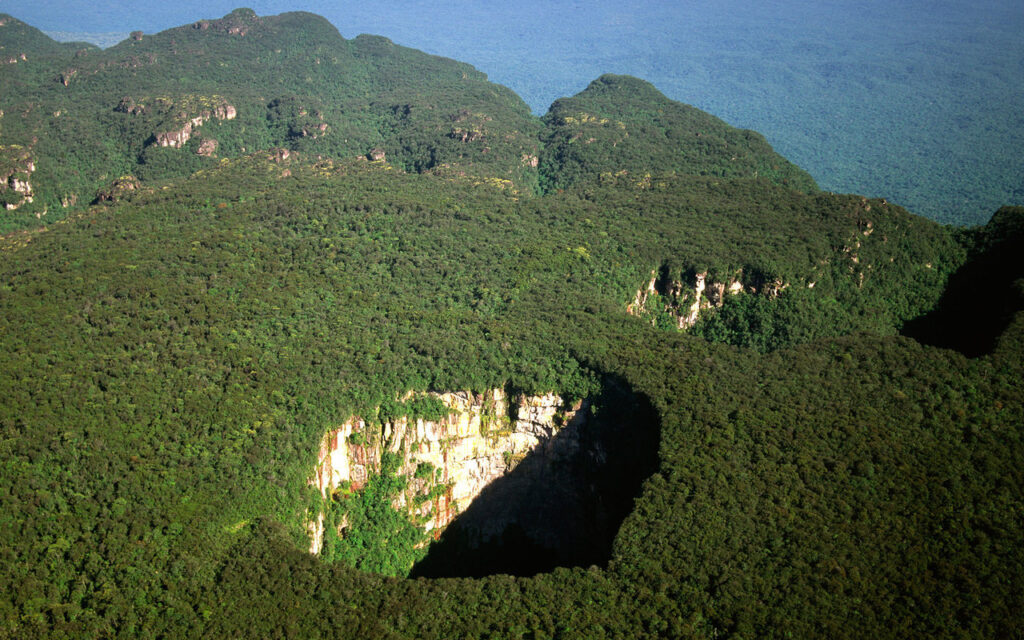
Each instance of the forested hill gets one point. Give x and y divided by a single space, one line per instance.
20 38
166 105
239 247
163 106
623 124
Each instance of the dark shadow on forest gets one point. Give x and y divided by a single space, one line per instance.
982 297
562 505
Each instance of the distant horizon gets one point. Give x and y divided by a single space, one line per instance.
913 102
102 39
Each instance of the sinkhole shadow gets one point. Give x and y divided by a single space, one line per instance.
562 504
982 297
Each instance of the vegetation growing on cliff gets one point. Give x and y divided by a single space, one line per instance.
363 531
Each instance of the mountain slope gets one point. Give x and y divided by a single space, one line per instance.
623 124
163 106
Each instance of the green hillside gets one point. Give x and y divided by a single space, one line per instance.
623 124
166 105
828 457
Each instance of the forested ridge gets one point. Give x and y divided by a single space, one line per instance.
838 447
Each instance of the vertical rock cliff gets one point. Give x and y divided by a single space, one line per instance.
16 168
685 299
448 461
465 484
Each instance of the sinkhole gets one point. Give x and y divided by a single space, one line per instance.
499 482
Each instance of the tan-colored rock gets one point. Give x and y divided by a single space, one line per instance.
475 444
177 138
694 311
639 304
686 303
208 148
225 112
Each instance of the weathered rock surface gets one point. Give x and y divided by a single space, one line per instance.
208 147
483 437
16 169
177 119
685 300
118 189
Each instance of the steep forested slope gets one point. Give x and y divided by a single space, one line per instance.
172 357
620 124
166 105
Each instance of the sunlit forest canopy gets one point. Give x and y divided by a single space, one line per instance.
911 101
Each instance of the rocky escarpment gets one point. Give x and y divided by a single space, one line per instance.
448 461
16 169
686 297
178 137
496 482
177 118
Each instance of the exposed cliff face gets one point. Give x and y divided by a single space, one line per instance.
16 169
177 119
449 461
503 483
687 298
178 137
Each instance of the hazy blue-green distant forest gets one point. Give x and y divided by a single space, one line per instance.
918 102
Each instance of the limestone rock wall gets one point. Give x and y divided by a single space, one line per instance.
483 437
176 120
686 301
16 169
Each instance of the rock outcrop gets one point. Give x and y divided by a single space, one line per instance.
118 189
16 169
179 136
685 299
468 127
448 461
237 23
129 106
208 148
177 119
